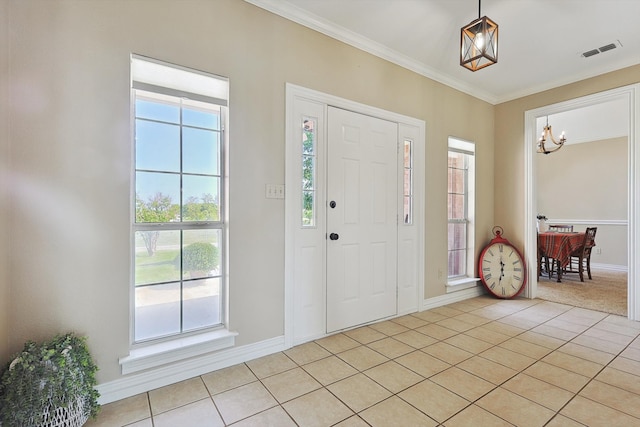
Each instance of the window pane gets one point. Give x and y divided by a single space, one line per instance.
200 151
457 179
457 263
201 306
456 206
160 111
457 236
200 253
157 197
408 154
307 208
157 146
201 118
408 173
307 172
408 209
157 311
456 160
201 198
157 256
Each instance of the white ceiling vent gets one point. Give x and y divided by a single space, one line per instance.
602 49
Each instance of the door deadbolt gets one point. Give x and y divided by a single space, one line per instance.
334 236
332 204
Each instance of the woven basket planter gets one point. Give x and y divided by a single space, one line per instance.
74 415
49 385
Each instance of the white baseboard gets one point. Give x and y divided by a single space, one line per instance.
130 385
610 267
452 297
133 384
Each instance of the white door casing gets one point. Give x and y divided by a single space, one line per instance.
305 247
631 94
362 219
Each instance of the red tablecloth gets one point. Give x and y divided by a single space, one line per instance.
559 246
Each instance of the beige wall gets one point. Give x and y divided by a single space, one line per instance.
71 153
4 200
588 182
509 142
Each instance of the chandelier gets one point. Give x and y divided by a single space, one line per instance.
546 136
479 43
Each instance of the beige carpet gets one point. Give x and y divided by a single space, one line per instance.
607 291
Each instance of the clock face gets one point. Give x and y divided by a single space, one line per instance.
502 270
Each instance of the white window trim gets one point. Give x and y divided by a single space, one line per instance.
159 352
162 353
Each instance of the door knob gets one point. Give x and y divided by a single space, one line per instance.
332 204
334 236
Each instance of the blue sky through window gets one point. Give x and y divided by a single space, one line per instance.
159 152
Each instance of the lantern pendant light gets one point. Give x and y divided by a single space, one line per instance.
479 43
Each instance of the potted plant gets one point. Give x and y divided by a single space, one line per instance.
50 384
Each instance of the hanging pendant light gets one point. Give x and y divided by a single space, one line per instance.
479 43
546 136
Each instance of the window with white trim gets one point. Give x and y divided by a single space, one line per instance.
179 224
461 208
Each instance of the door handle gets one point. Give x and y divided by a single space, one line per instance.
332 204
334 236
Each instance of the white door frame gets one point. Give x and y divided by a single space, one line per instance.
631 95
299 327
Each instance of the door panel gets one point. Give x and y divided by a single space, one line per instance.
362 180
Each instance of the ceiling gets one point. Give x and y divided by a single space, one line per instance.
541 42
541 46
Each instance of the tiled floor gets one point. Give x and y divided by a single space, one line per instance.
481 362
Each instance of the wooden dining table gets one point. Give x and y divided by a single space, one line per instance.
560 246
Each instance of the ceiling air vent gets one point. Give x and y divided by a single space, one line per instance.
591 53
602 49
607 47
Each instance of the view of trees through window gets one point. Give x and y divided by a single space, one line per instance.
308 172
178 223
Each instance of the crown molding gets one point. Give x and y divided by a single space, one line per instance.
316 23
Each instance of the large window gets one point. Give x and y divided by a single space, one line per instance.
461 206
179 221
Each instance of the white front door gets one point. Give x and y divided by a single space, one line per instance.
362 193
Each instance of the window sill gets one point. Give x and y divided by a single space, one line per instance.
461 284
154 355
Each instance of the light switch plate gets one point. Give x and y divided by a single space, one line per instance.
274 191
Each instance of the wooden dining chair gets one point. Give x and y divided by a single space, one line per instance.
561 228
580 259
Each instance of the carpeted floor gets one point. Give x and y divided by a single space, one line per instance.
607 291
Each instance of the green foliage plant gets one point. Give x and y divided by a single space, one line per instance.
199 257
47 379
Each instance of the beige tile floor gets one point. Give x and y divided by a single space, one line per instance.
480 362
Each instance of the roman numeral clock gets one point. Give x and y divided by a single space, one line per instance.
502 267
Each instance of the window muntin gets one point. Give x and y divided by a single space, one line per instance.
459 207
407 187
309 161
179 223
